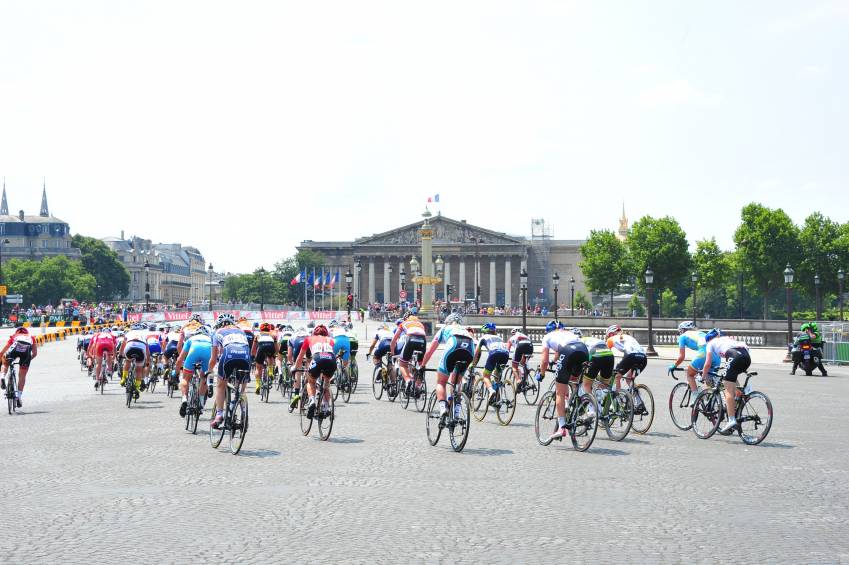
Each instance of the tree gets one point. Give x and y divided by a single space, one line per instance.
822 254
605 261
767 240
112 278
669 304
634 305
714 268
49 280
661 244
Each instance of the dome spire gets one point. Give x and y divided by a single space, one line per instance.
4 206
45 212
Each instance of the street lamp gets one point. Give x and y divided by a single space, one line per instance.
840 276
359 267
349 278
649 274
2 298
403 275
414 270
261 273
523 280
209 270
556 280
572 291
146 286
788 282
695 278
387 295
477 241
440 265
818 304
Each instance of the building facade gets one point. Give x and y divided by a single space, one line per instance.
474 258
176 274
34 237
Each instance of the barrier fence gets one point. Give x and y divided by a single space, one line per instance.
836 342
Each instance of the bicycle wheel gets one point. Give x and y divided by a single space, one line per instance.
545 422
377 383
306 423
706 414
152 384
584 423
505 407
263 389
355 375
393 386
754 418
458 427
421 394
238 425
346 389
405 398
325 417
680 400
619 415
103 384
215 436
130 386
480 399
433 420
643 409
531 390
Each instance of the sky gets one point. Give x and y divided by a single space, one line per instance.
243 128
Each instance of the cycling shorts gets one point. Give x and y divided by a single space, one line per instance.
496 358
264 351
740 362
235 358
601 366
102 348
199 352
523 348
171 349
137 351
322 364
414 343
342 344
459 354
154 348
355 345
295 345
699 363
635 361
571 361
24 354
382 348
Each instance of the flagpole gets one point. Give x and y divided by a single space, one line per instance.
305 290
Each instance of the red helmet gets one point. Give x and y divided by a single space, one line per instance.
612 330
320 329
266 327
21 330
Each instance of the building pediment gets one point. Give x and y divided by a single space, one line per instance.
445 232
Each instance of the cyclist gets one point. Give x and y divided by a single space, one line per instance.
135 349
230 352
283 335
104 342
86 343
243 324
341 342
737 353
411 336
633 355
154 348
296 342
380 343
264 349
459 352
690 338
498 354
197 349
172 340
569 354
520 345
189 329
319 347
23 347
601 362
352 337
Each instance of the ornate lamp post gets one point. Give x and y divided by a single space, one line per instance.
695 278
440 265
572 291
788 282
2 298
349 278
818 305
403 275
650 302
387 295
555 279
359 267
523 280
209 270
840 276
414 270
146 286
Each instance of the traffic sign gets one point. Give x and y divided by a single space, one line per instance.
403 294
3 290
15 298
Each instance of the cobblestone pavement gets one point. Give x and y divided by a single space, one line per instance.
86 480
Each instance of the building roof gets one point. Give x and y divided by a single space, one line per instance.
32 219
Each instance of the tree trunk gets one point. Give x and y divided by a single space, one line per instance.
766 302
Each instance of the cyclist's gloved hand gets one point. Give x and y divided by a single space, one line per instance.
672 367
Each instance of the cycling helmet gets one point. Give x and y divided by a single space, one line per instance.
612 330
21 330
562 326
311 324
488 328
514 331
115 328
266 327
225 320
151 327
577 332
550 326
203 330
320 329
399 321
333 324
161 328
349 326
197 318
715 332
256 324
453 319
686 326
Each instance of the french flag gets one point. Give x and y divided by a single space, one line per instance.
298 278
434 198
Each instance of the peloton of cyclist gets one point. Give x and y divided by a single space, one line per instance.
23 347
498 354
737 353
569 354
458 354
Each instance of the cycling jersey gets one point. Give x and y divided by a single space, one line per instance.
597 347
265 347
235 352
296 342
341 343
135 347
198 349
516 339
624 343
190 329
557 339
154 345
692 339
321 350
103 343
20 346
459 350
721 345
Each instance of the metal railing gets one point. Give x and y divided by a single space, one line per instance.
835 342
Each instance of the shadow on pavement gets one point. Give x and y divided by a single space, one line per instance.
146 405
488 452
23 412
345 439
630 439
661 434
259 453
776 445
607 451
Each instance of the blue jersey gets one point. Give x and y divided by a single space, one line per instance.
231 338
692 339
454 335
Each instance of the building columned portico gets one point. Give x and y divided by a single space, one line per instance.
471 255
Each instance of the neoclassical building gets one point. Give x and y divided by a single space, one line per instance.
470 253
24 236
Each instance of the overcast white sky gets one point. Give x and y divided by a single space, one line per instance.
246 127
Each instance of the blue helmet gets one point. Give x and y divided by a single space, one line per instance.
488 327
561 326
715 332
550 326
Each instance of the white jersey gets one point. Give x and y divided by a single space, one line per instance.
557 339
721 345
515 339
337 331
625 343
137 335
173 336
382 335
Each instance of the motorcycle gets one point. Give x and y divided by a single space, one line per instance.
805 354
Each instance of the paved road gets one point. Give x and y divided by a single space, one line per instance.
86 480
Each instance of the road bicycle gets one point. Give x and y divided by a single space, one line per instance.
324 412
528 382
130 383
581 417
266 382
753 411
194 402
285 382
101 379
456 419
12 387
503 400
643 403
418 385
235 421
615 410
385 379
341 381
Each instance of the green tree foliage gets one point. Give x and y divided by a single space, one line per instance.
669 306
605 261
823 253
49 280
273 287
634 305
767 240
112 278
661 244
716 280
